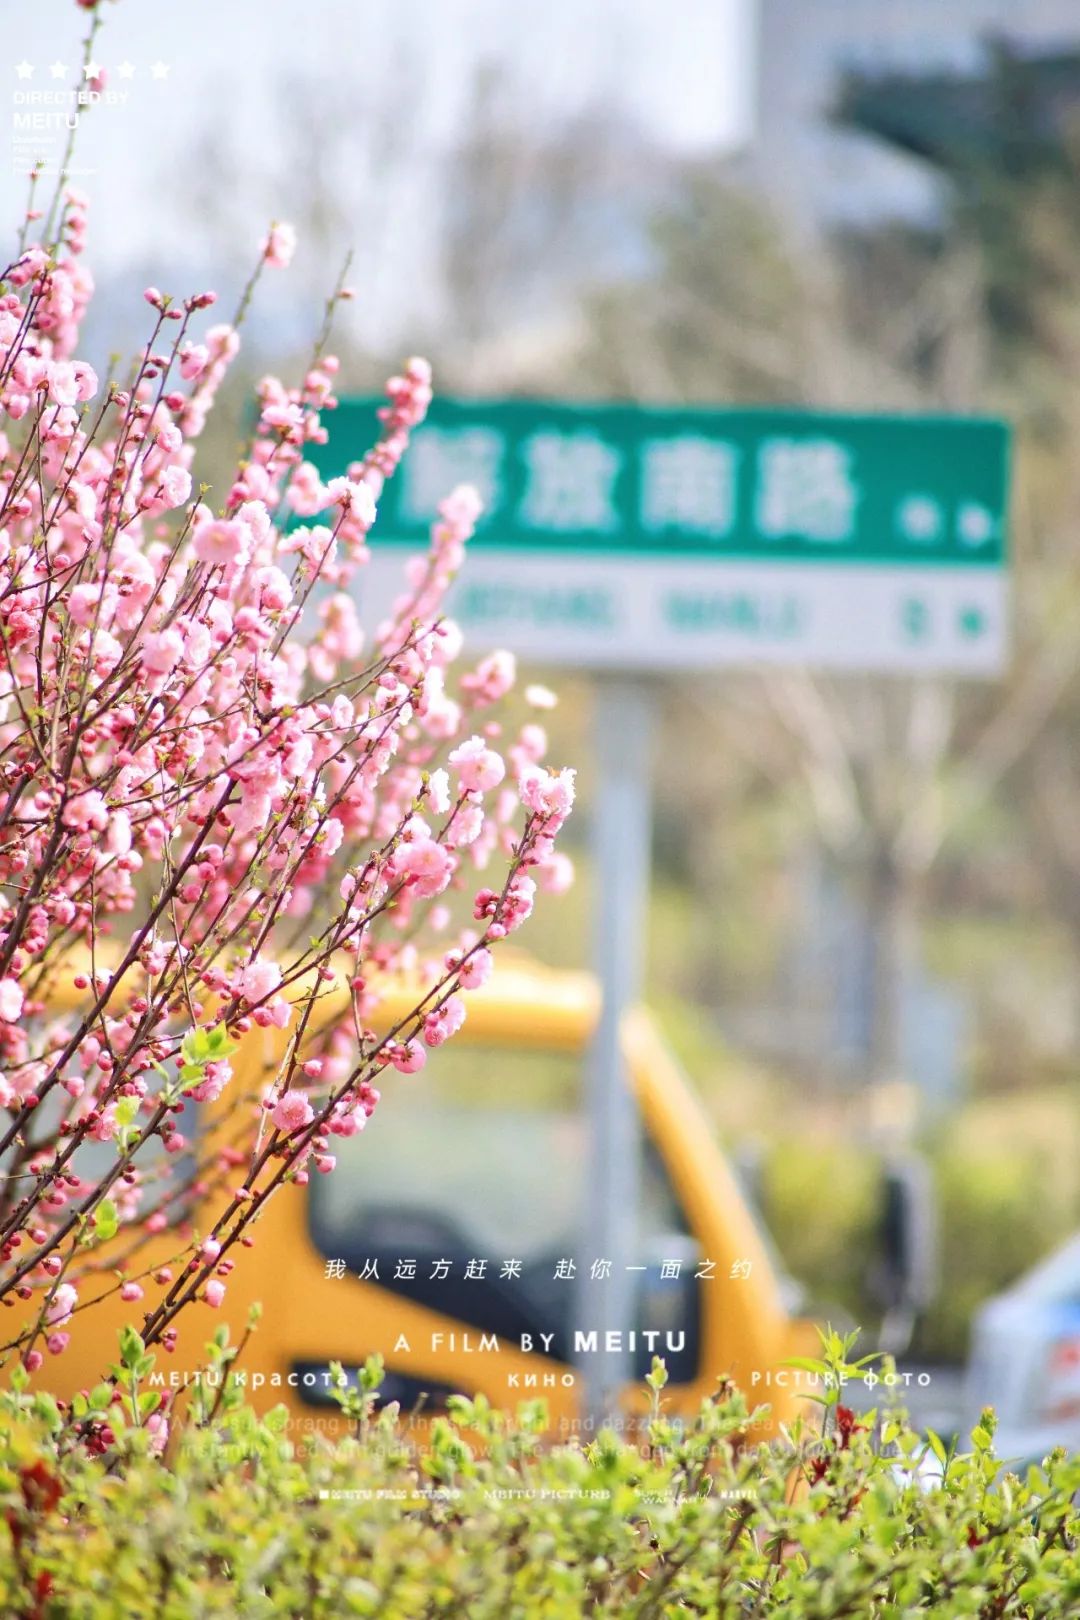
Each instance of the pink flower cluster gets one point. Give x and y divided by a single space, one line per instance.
205 757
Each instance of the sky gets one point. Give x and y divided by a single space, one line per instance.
220 65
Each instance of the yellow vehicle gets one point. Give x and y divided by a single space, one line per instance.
480 1157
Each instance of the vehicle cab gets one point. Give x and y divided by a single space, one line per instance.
449 1238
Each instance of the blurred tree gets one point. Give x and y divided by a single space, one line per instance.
532 209
1006 142
573 257
889 768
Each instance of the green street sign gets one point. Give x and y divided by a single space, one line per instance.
621 534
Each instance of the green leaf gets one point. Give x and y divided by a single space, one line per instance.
132 1348
937 1446
200 1044
106 1220
372 1372
46 1409
219 1044
277 1419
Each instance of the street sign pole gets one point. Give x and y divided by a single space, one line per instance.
622 727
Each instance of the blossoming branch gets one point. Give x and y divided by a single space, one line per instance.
220 795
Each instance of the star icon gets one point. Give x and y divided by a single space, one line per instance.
126 70
24 70
159 70
91 70
59 70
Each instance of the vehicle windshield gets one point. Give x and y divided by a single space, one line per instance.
496 1162
466 1194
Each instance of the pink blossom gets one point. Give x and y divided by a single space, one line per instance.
175 486
356 498
556 872
279 246
479 767
157 1427
193 359
84 601
465 827
292 1111
461 507
216 1078
214 1292
31 264
253 811
425 865
492 678
439 792
408 1058
274 589
547 793
161 652
440 1025
11 1000
196 644
118 837
222 541
63 382
530 747
85 811
517 907
259 980
476 970
86 381
63 1303
333 835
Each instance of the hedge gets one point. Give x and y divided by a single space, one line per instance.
484 1517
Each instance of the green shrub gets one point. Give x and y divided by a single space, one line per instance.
992 1230
820 1207
822 1198
486 1519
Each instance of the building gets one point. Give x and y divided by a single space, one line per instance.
816 173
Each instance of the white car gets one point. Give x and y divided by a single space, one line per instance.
1025 1360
